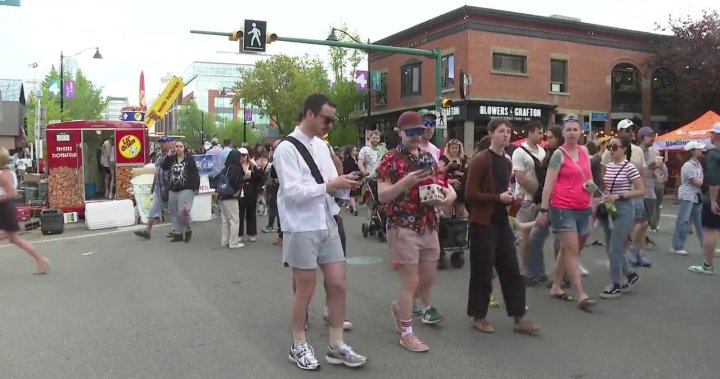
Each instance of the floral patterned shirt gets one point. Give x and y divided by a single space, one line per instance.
406 210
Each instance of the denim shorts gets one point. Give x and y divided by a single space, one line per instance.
641 213
570 220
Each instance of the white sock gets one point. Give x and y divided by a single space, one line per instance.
406 327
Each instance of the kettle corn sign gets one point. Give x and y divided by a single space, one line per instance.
130 146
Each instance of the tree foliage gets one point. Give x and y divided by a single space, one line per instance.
344 63
692 53
88 103
195 125
234 131
280 84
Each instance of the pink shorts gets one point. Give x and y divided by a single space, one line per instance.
410 247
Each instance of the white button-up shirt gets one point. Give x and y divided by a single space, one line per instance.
302 202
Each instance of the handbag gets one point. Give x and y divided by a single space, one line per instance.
602 211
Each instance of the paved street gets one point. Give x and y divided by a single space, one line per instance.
153 309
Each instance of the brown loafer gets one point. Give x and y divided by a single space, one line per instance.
527 327
484 326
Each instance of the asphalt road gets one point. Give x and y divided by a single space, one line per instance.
152 309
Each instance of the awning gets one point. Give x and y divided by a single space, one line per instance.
697 130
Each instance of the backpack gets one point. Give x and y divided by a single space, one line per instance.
225 190
540 173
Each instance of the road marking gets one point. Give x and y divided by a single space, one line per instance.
98 234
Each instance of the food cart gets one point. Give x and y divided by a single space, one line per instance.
74 152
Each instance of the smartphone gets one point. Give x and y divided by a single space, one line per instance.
355 175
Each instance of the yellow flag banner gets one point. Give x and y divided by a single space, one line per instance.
163 103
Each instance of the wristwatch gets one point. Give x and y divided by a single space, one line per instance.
543 210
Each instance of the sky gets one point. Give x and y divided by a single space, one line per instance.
153 35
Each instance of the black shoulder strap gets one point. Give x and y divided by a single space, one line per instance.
308 158
534 158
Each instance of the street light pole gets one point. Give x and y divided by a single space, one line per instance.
244 122
97 55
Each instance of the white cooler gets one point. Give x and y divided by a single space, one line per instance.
109 214
202 206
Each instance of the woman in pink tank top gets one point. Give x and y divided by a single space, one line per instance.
566 202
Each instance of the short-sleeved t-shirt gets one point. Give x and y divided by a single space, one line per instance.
370 157
649 175
637 157
619 176
688 190
522 161
712 166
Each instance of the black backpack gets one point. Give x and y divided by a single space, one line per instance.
540 172
225 190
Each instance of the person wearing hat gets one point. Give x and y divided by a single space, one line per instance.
646 138
710 214
160 188
412 225
690 200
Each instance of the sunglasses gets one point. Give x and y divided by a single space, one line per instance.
429 123
414 132
614 147
327 120
571 118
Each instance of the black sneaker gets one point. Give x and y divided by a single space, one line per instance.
269 229
143 233
303 355
632 280
611 292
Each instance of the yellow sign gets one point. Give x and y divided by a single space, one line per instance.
163 103
130 146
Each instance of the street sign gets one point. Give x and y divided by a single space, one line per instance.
248 115
69 89
585 126
599 116
133 116
254 39
54 87
376 82
361 80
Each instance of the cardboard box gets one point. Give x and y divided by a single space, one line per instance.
431 193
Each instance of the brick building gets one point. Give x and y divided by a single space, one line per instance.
522 67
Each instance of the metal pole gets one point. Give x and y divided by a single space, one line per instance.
62 93
361 46
202 129
244 122
369 92
439 134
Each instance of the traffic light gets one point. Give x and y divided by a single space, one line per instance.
446 103
236 35
272 37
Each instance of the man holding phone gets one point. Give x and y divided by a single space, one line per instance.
412 226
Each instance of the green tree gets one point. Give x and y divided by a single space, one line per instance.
195 124
88 103
692 53
280 84
234 131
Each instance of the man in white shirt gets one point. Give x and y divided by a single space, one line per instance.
524 160
311 241
369 156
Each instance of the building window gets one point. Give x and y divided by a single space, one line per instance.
558 75
410 84
510 63
448 71
381 98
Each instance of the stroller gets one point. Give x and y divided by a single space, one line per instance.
377 222
453 236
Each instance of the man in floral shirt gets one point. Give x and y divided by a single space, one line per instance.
412 225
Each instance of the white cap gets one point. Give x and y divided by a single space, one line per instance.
624 124
243 150
694 145
716 128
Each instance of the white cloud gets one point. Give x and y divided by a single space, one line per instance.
154 36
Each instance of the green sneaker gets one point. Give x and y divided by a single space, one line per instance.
431 316
417 310
702 268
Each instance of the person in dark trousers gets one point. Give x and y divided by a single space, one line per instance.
350 165
271 189
491 237
184 184
252 177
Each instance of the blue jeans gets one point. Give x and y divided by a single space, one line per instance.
623 222
687 211
536 242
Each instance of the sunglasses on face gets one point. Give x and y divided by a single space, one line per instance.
414 132
327 120
571 118
614 147
429 123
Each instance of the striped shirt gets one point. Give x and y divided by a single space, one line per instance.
687 190
622 174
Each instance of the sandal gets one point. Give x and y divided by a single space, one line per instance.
586 305
562 296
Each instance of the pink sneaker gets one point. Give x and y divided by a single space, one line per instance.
396 319
413 343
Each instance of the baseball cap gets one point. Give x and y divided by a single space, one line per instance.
243 151
694 145
602 140
410 119
716 128
645 131
164 139
624 124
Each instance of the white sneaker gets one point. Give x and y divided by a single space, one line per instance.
252 239
679 252
583 271
238 246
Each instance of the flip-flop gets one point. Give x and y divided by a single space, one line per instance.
562 296
586 305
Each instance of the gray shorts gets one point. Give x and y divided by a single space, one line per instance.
158 205
528 211
307 250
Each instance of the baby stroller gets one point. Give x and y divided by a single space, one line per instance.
376 224
453 235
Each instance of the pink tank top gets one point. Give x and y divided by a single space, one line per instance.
568 192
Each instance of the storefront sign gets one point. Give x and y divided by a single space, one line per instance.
129 147
62 148
515 113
